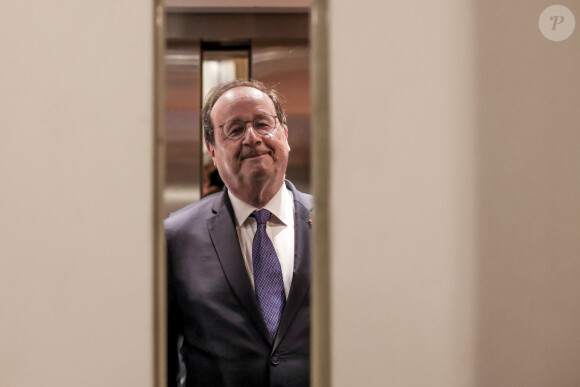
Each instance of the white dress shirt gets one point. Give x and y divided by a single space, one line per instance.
280 230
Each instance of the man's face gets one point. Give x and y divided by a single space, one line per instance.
254 158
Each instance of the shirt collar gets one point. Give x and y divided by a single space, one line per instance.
281 206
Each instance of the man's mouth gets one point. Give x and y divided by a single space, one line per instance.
254 155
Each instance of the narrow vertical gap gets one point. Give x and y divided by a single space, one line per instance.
159 366
321 135
202 150
250 61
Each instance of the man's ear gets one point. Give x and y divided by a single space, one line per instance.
211 150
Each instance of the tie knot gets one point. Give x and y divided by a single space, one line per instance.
261 216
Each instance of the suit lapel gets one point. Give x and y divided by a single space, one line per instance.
301 276
222 231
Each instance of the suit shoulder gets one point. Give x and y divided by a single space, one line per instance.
305 199
195 213
301 197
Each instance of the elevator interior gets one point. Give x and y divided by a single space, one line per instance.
204 49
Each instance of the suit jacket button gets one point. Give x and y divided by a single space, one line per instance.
275 359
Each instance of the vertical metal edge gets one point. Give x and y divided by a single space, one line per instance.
201 136
251 60
158 237
321 264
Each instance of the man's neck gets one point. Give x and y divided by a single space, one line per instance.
257 196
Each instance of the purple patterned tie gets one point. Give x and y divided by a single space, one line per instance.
267 274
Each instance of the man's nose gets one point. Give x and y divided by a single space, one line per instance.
250 135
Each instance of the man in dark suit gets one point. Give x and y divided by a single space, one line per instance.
239 260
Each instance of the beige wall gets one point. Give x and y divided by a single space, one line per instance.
76 199
528 206
453 218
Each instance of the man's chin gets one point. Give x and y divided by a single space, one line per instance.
257 174
257 165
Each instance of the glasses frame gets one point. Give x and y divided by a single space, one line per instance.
260 132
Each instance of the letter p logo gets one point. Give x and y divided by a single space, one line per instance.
557 20
557 23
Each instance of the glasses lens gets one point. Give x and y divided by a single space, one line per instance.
234 129
264 124
261 124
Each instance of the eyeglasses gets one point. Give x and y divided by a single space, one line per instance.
234 130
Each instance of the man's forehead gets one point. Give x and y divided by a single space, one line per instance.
237 96
241 93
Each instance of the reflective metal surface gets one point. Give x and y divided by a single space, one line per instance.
182 123
234 26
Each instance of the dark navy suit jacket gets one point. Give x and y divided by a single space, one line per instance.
211 302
